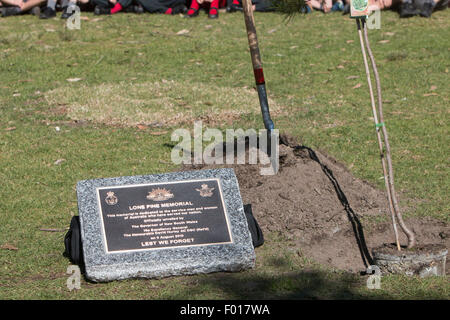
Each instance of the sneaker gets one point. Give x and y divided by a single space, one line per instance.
407 9
134 9
101 10
213 15
35 11
441 5
10 11
337 6
427 9
306 9
346 9
138 9
48 13
179 9
234 7
67 13
129 9
191 13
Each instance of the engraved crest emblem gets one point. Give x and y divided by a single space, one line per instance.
205 191
160 194
111 198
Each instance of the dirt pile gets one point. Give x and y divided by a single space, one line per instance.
318 205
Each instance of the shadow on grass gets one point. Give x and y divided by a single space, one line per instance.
291 285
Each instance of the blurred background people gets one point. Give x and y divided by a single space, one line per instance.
16 7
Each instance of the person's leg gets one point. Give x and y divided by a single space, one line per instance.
193 9
326 6
102 3
407 9
441 5
346 9
214 10
69 8
174 6
19 7
50 10
153 6
12 3
338 6
234 5
30 4
102 7
427 8
315 4
120 5
263 5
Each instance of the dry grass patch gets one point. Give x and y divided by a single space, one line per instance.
166 103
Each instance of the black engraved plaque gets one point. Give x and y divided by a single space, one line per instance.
163 215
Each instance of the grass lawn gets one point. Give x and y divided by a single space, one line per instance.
103 101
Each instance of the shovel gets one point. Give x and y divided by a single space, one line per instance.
257 64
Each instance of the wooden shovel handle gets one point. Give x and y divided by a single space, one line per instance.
251 34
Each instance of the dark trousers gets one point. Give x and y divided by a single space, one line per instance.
107 4
159 6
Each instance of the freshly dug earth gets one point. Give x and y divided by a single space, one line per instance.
320 207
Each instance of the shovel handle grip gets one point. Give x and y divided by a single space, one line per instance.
251 34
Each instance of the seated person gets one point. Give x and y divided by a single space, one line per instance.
321 5
424 8
164 6
381 4
111 6
152 6
258 5
68 7
374 5
16 7
213 6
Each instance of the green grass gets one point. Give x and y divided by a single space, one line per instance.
311 66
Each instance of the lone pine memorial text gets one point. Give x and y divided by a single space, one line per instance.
162 225
145 217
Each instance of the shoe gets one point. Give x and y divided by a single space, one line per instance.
407 9
67 13
337 6
35 11
306 9
427 9
101 10
134 9
10 11
213 15
441 5
48 13
233 8
180 9
193 14
138 9
346 9
129 9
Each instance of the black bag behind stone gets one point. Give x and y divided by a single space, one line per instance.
74 246
72 242
253 226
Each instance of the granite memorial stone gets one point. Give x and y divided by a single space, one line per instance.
162 225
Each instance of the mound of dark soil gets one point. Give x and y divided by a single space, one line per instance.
318 205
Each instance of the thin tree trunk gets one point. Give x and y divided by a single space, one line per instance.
409 233
380 143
